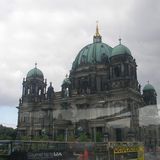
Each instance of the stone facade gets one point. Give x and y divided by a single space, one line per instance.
101 95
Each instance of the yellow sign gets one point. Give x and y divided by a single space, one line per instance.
141 153
118 150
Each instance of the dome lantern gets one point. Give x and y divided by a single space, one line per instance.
94 53
97 37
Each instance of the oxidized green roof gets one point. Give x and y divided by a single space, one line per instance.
148 87
92 54
35 72
120 49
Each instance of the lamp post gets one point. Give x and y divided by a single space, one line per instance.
53 131
106 137
94 132
53 126
66 135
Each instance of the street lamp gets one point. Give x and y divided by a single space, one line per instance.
106 137
66 135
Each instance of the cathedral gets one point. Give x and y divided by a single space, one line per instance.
101 95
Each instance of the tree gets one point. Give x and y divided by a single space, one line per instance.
83 137
7 133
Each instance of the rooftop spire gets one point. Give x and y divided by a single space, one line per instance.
97 37
120 39
97 29
35 64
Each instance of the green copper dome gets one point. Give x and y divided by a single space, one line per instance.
120 49
35 72
148 87
92 53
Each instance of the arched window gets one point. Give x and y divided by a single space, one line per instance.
40 92
28 91
66 92
127 70
117 71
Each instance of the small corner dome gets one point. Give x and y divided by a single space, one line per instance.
148 87
35 73
120 49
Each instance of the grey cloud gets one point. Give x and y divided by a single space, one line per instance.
52 33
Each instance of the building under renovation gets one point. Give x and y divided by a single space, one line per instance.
100 95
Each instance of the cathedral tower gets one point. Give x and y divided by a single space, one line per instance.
34 86
149 95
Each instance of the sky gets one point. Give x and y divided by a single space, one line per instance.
52 32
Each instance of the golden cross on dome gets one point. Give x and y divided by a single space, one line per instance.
97 29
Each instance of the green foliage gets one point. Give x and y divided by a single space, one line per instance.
25 138
99 137
44 138
60 137
83 137
35 138
7 133
5 137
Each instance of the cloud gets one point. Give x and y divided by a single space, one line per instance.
52 33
